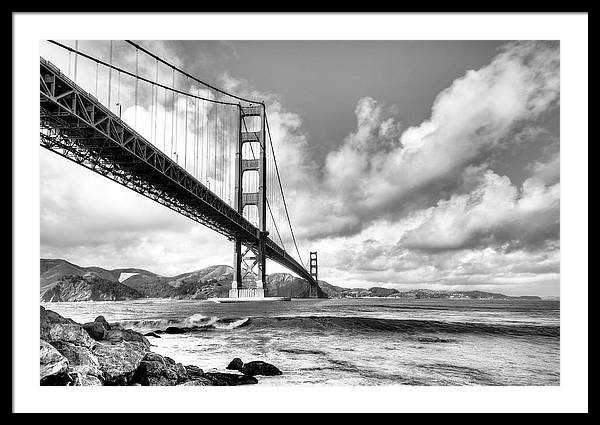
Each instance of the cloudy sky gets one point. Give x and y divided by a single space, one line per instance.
406 164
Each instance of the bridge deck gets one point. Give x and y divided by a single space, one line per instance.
74 124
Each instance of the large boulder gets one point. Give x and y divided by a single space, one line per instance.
193 372
73 333
54 327
229 379
48 318
236 364
95 329
260 368
175 330
119 335
53 364
155 374
101 330
119 361
103 322
254 368
84 380
81 362
181 372
157 370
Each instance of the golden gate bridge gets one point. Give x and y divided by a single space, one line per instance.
188 145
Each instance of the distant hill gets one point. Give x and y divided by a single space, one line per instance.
213 281
286 285
338 292
330 290
88 288
52 270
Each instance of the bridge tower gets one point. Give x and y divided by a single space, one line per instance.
248 256
314 268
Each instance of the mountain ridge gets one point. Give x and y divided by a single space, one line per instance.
209 282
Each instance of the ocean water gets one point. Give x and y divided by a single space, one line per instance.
368 341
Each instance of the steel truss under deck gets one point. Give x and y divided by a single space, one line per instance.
75 125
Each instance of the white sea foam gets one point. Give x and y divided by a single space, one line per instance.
199 319
231 325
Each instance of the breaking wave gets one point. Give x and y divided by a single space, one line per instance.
367 324
198 322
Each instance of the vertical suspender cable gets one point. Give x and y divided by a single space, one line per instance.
201 141
176 147
110 55
229 162
136 88
208 145
172 117
69 69
156 107
185 138
152 141
75 64
215 142
119 91
165 123
196 137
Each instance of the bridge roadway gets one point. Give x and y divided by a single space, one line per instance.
75 125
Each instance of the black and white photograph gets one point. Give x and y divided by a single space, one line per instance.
353 218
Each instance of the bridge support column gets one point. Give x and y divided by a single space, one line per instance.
261 279
314 272
257 199
237 265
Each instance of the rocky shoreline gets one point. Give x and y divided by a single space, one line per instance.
99 353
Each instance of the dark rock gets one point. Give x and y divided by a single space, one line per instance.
81 361
175 330
54 327
260 368
153 357
68 332
236 364
49 318
102 320
229 379
60 379
157 370
116 326
98 328
194 372
95 329
155 373
200 381
83 380
152 334
181 372
119 361
52 363
119 335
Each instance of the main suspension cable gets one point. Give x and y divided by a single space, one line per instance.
124 71
137 46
